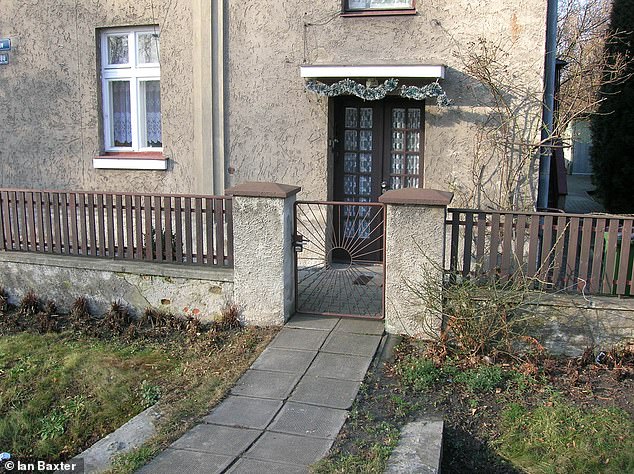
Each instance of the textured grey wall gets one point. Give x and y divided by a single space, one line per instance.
49 94
278 131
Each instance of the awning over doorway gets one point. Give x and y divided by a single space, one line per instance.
422 71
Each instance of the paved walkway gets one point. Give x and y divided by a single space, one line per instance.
286 410
578 201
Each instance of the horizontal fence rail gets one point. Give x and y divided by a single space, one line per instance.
592 254
164 228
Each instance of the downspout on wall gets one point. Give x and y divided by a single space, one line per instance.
548 104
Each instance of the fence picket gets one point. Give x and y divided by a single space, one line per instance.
558 260
91 241
138 224
119 248
63 204
188 231
147 211
520 237
3 241
468 242
111 246
48 226
169 236
220 232
199 231
101 222
229 233
507 237
495 241
480 242
129 227
607 283
624 262
597 260
209 224
40 222
30 218
178 214
158 228
573 248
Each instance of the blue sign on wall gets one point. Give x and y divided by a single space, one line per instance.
5 44
4 58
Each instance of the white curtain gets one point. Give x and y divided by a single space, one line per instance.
153 113
121 113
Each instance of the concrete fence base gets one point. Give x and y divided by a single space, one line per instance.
62 279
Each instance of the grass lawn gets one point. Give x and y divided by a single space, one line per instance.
554 415
61 392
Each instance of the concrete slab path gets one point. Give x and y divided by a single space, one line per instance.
287 409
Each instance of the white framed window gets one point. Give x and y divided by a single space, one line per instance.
131 88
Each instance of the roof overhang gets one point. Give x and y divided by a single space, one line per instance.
412 70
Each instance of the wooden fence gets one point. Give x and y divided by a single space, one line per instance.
584 253
166 228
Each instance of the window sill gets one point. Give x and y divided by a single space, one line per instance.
350 14
131 161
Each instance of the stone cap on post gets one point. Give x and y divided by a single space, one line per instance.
417 197
266 190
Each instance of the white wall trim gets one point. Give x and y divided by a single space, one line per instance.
129 164
415 71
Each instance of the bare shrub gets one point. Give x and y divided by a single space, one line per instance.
117 320
4 300
157 322
47 319
80 317
229 317
29 304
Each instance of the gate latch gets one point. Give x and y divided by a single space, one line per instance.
298 242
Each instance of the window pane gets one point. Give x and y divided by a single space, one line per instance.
398 118
350 163
151 96
121 120
148 48
351 117
366 118
365 140
118 49
379 4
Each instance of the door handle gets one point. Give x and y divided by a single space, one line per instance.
383 186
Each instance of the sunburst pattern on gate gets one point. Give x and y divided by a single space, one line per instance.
339 250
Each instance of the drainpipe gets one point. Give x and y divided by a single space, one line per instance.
549 104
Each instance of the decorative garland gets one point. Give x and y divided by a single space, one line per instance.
350 87
430 90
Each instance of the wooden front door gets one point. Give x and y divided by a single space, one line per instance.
378 147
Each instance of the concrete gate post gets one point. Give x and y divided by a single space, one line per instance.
414 260
263 252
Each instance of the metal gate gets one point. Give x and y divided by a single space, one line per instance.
339 258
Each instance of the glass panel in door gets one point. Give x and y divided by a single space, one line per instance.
405 147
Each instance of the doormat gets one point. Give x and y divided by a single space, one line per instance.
362 280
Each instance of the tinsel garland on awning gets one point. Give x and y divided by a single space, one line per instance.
350 87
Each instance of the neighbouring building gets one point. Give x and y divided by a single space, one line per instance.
193 97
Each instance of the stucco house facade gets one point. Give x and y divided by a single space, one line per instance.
177 96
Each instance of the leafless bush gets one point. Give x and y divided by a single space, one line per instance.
29 304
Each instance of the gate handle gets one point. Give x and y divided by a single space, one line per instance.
298 243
